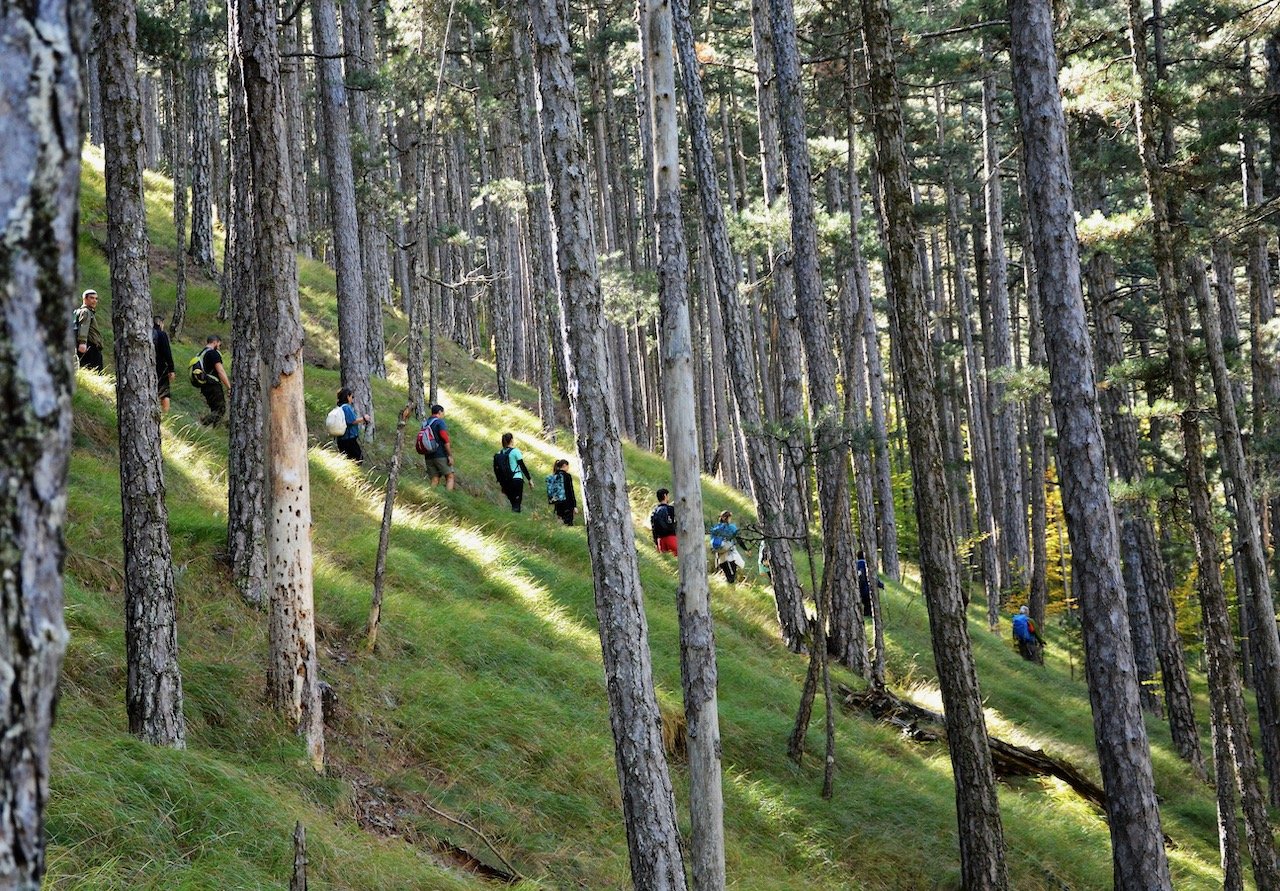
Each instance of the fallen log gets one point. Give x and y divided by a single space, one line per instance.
1008 760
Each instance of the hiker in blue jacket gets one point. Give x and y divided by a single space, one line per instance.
349 442
1030 644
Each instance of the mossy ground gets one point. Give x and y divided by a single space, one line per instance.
485 699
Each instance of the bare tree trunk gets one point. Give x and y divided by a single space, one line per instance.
831 460
293 681
782 298
40 85
246 470
1006 416
697 637
647 801
1138 856
982 850
1038 596
764 471
153 693
202 138
384 533
353 305
291 72
178 170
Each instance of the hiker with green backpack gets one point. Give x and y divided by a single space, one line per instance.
510 472
560 492
210 378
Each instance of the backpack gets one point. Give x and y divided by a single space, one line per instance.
717 539
428 443
662 520
200 377
502 467
335 422
555 487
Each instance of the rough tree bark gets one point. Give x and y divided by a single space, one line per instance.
982 861
697 636
40 84
293 681
847 637
353 307
202 137
762 465
1138 856
153 691
246 470
647 801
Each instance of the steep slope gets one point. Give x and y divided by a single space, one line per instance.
479 730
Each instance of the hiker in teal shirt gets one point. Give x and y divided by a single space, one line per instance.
510 471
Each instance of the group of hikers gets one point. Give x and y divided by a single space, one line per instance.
206 369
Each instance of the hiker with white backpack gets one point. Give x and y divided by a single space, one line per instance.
434 446
343 424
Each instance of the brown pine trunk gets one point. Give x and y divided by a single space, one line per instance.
40 85
153 692
982 851
1138 855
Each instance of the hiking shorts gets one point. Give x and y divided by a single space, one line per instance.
437 467
163 386
667 544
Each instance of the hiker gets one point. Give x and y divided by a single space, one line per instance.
348 442
164 362
88 338
509 469
725 548
662 522
434 446
864 585
560 492
1030 644
208 374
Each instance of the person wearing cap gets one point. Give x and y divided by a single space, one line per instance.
164 362
88 337
216 385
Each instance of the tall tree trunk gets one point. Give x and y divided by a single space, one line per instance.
202 138
762 466
1124 756
246 470
178 170
982 851
1038 595
40 85
829 441
782 296
294 78
697 638
293 682
1005 414
353 306
647 801
1258 830
153 692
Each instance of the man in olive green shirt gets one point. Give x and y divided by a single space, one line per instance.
88 338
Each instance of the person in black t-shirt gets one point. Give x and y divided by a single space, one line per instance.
164 362
216 383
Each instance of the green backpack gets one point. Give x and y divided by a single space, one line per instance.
199 377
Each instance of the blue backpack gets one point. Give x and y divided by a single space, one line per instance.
555 487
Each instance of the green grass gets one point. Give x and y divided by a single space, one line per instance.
485 699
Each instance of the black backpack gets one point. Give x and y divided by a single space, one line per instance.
663 521
502 467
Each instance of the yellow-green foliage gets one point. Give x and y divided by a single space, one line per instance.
485 700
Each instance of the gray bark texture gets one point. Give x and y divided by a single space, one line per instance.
40 84
202 137
353 307
741 359
847 637
293 682
982 850
246 470
153 691
697 635
648 803
1138 856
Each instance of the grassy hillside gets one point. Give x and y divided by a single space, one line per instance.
484 704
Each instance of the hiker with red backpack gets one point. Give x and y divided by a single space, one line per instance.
434 446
